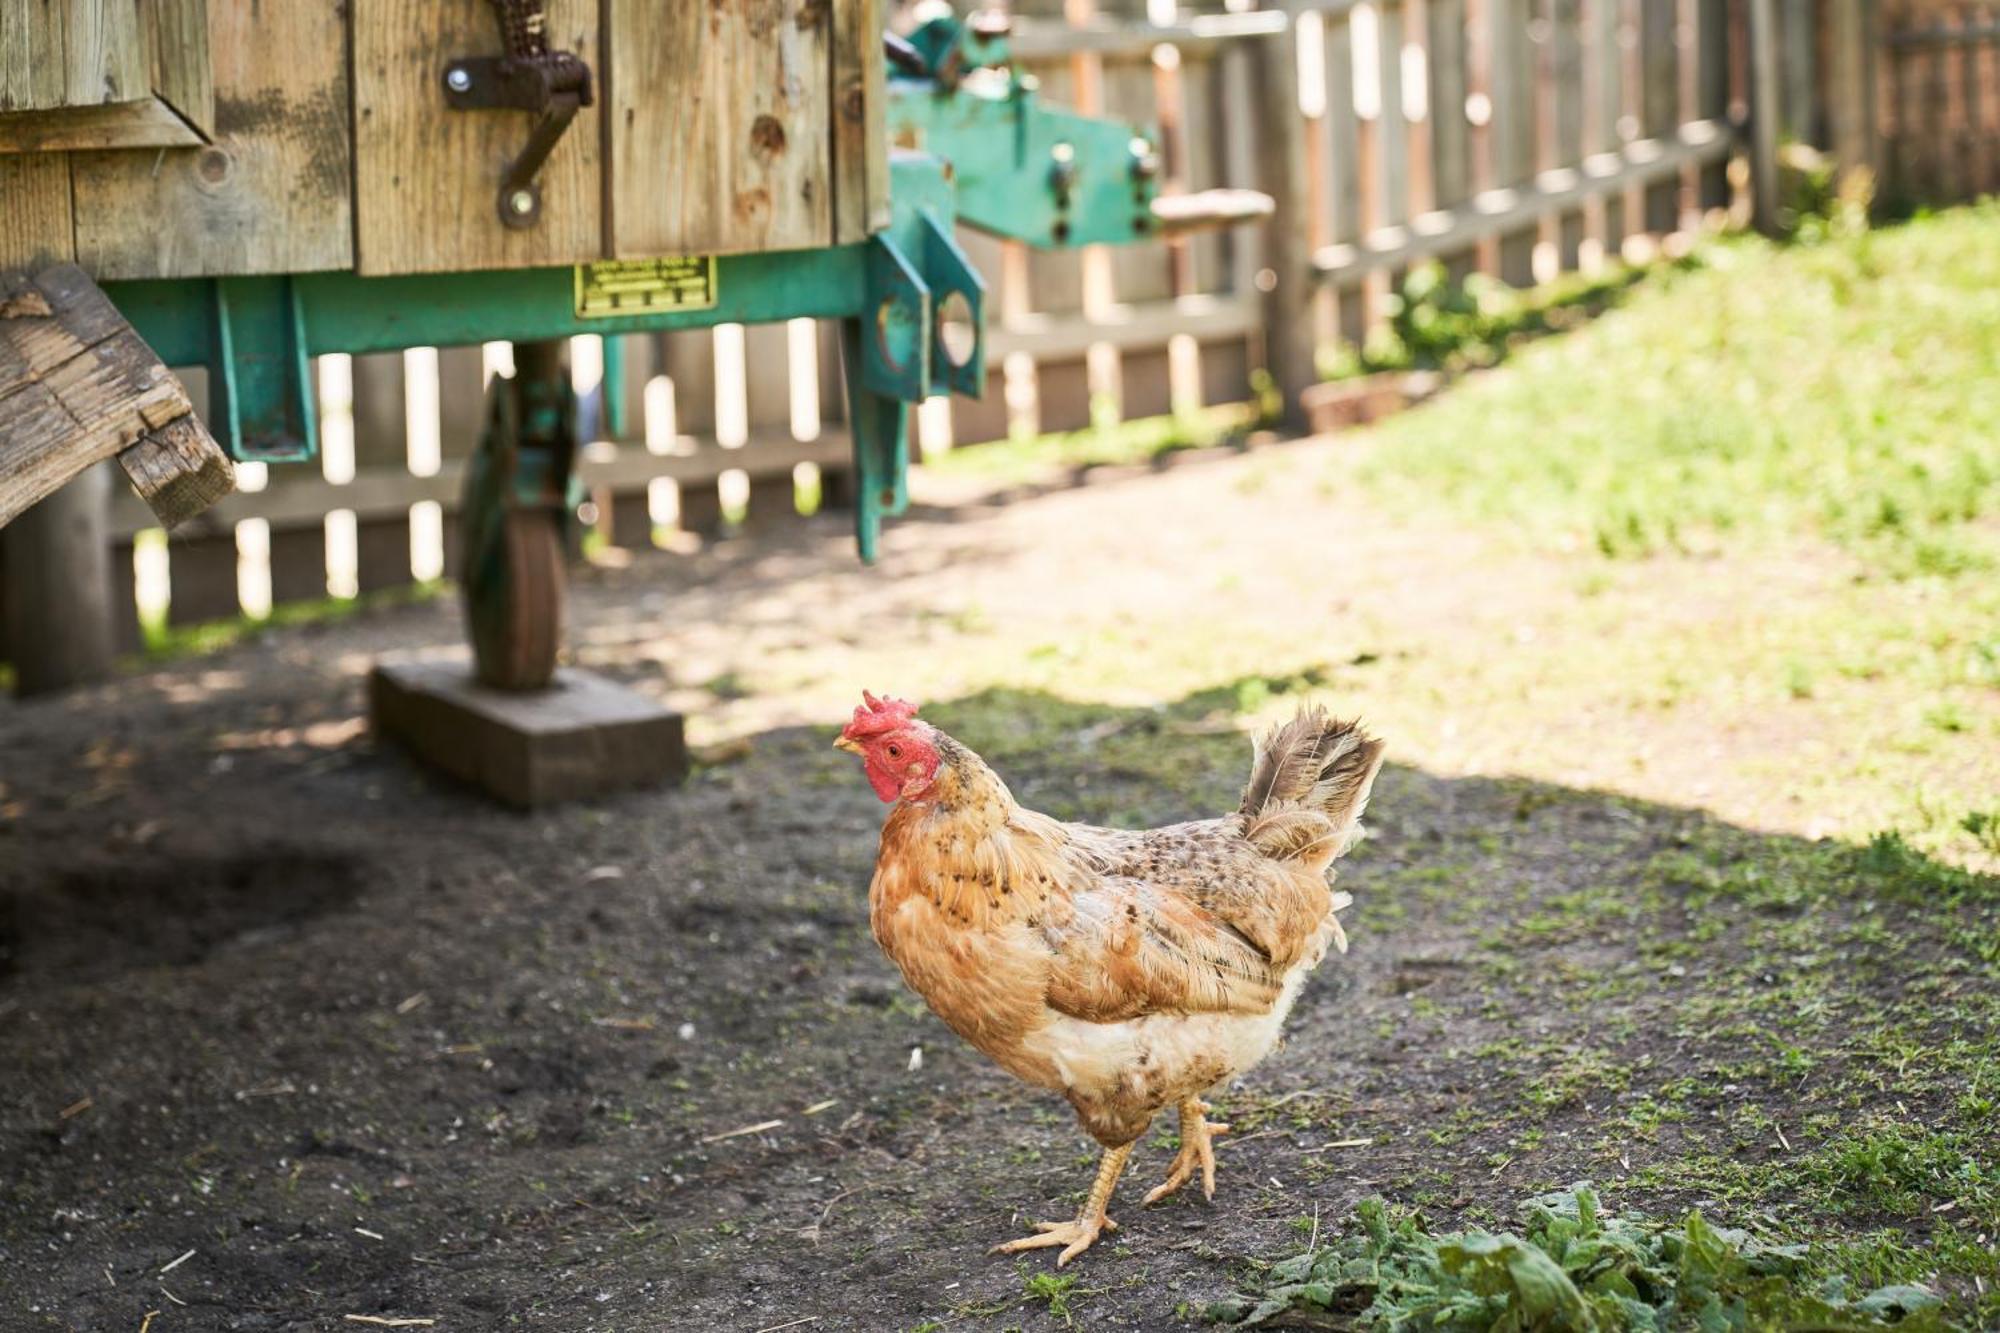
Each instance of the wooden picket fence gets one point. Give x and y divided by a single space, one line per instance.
1521 137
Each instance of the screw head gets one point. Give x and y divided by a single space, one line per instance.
521 202
458 79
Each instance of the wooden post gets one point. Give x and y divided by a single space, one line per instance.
1764 115
1281 172
1851 84
58 593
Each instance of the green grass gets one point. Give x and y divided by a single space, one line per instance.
1107 442
1848 391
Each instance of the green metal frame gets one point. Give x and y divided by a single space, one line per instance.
256 335
1021 169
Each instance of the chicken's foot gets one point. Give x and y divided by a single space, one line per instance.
1091 1222
1197 1149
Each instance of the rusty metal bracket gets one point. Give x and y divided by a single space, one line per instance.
530 77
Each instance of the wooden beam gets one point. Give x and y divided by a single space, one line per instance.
57 597
1500 211
147 123
300 497
78 385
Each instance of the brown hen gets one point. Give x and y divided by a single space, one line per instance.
1129 971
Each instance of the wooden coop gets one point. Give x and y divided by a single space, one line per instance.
243 188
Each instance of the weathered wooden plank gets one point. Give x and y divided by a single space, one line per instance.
1565 48
860 134
104 56
177 58
1798 58
381 440
720 141
1604 125
1764 90
427 178
1509 209
1289 341
1711 101
178 470
35 226
1512 138
271 195
33 68
1850 49
146 123
1659 103
1451 154
1394 136
77 385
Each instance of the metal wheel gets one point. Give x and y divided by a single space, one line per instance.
511 520
516 618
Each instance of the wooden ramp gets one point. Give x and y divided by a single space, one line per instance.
78 385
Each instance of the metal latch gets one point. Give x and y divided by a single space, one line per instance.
530 77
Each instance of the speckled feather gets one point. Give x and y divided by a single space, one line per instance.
1126 969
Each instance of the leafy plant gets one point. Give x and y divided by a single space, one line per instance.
1577 1268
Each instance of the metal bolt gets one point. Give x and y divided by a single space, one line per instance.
522 202
458 79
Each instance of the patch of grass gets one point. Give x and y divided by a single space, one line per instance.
164 642
1104 443
1053 1290
1849 391
1439 323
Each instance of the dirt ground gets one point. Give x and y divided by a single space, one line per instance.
293 1031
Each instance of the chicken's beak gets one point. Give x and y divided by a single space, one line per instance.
843 743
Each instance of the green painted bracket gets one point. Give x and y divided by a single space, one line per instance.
1027 171
880 427
958 313
896 353
261 402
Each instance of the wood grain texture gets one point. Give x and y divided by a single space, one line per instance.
177 58
35 224
427 177
147 123
77 384
270 195
860 133
178 470
33 70
720 138
60 53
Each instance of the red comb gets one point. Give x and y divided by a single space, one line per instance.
876 716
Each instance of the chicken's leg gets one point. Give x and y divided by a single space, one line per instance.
1197 1149
1091 1222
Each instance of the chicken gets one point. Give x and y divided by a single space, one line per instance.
1128 970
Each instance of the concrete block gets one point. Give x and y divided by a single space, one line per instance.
583 736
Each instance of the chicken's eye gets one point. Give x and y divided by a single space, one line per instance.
895 752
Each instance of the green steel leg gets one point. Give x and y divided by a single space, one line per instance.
512 516
880 426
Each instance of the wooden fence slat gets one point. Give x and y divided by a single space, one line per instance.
381 440
1512 138
1565 146
1659 101
1711 54
1281 169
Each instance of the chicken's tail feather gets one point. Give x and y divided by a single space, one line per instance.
1309 784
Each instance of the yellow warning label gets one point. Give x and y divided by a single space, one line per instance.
645 286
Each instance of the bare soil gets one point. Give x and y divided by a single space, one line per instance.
354 1042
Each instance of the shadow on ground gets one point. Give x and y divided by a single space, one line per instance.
355 1043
